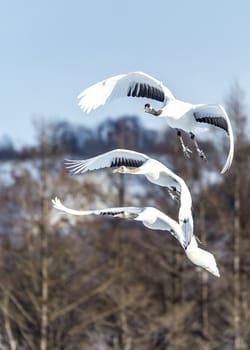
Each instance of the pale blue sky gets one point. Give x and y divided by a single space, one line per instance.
51 50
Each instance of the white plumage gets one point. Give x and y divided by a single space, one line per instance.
131 162
154 219
178 114
120 86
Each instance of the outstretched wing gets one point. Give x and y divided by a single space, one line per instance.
121 212
187 226
136 84
151 217
217 116
157 220
110 159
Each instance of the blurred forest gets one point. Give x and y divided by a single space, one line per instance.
71 283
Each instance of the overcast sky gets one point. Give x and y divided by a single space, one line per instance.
52 50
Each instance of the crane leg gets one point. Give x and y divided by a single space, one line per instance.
199 151
185 149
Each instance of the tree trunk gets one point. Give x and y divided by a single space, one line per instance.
125 339
204 283
44 246
236 265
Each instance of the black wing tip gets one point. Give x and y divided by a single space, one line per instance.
111 213
219 121
129 162
146 90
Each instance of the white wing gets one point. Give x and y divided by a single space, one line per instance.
113 158
217 116
185 212
157 220
187 226
122 212
185 199
150 217
136 84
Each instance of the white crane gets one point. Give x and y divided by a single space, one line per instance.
131 162
156 220
179 115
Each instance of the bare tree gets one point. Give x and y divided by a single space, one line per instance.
98 283
44 227
239 118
